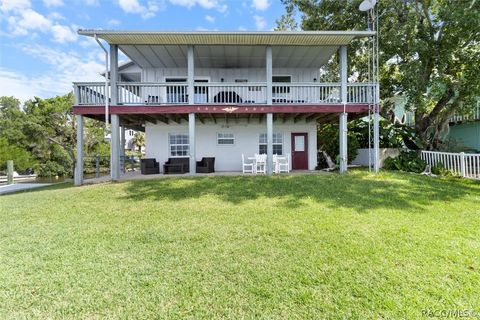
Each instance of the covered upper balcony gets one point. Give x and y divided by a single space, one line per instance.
224 68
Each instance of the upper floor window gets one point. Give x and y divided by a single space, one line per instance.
178 145
281 89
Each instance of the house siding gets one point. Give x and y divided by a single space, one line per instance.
231 74
228 157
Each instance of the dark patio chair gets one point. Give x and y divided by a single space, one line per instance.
206 165
149 166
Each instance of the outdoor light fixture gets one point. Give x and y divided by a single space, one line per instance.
367 5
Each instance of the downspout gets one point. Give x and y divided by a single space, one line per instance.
107 127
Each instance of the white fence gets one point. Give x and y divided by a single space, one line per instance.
464 164
475 115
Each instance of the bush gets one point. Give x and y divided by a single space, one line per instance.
51 169
406 161
328 141
439 170
392 135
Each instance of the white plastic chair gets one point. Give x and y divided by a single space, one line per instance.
261 163
275 163
283 164
247 167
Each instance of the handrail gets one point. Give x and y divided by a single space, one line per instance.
161 93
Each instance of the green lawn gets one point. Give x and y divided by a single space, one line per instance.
291 247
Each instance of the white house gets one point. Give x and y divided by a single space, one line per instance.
224 94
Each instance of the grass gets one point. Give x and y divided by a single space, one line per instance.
289 247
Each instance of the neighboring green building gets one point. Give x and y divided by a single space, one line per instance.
463 129
466 130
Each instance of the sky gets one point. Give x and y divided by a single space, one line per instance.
41 53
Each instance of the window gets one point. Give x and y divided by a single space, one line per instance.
225 139
283 79
277 143
278 90
179 146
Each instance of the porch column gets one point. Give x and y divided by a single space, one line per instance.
269 143
376 140
78 174
268 61
122 148
113 73
115 151
190 75
191 139
343 142
343 116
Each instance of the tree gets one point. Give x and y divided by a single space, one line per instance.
22 159
429 52
12 121
51 122
45 130
139 140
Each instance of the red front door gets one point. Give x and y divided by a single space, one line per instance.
300 151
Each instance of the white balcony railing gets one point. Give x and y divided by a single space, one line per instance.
136 93
472 116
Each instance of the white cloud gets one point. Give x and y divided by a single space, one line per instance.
260 4
56 16
33 20
260 22
210 18
14 5
113 22
52 3
241 28
146 11
22 20
206 4
66 67
63 34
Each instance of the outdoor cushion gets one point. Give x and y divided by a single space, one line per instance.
176 165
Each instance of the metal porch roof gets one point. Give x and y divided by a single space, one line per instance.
294 38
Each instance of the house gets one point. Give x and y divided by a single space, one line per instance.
224 94
463 128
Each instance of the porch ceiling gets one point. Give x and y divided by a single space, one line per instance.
227 56
137 121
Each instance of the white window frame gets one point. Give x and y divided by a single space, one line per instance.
278 134
178 144
224 138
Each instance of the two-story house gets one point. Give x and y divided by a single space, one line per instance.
223 94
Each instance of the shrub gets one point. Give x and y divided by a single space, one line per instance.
405 161
328 141
440 170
